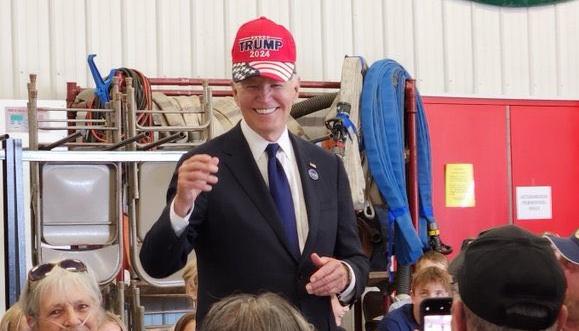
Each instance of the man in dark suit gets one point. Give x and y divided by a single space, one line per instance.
263 209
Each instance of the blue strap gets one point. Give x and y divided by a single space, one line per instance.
345 117
393 214
424 171
382 124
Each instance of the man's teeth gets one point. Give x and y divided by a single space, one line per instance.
265 110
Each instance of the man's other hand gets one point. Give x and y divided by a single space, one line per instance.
332 276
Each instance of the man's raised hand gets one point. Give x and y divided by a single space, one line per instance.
195 175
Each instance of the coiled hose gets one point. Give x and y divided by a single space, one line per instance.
312 105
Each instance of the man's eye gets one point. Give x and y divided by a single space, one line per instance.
276 86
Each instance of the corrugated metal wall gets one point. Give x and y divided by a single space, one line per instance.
452 47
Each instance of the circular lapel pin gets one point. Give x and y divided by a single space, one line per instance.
313 174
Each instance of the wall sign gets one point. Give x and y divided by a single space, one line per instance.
534 203
459 185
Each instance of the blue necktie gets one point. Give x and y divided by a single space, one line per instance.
281 193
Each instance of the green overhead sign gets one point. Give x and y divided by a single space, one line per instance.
519 3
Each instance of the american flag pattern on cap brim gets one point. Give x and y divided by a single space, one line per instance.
281 71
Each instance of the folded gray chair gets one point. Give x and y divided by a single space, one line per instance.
80 216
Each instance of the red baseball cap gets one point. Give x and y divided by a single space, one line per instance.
263 48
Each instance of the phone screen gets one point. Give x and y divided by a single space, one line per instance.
436 314
437 322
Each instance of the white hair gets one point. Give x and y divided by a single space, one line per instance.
58 280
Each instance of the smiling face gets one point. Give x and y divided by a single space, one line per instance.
266 104
74 310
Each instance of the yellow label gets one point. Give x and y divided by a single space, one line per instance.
459 185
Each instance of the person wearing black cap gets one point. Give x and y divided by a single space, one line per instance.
509 280
567 250
263 209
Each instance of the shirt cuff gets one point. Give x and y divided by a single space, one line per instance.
348 293
177 222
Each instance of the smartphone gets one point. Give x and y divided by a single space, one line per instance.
435 314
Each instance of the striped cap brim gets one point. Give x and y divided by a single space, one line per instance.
279 71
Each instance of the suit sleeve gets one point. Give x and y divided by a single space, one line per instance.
163 252
348 247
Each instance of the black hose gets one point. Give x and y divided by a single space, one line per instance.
312 105
403 279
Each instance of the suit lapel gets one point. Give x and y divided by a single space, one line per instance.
311 193
241 164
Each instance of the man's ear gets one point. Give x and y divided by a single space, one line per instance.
234 90
458 319
296 87
298 83
562 318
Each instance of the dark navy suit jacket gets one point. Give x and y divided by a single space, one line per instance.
238 237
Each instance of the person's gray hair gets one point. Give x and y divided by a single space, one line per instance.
58 280
475 322
246 312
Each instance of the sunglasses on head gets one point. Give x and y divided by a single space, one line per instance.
40 271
